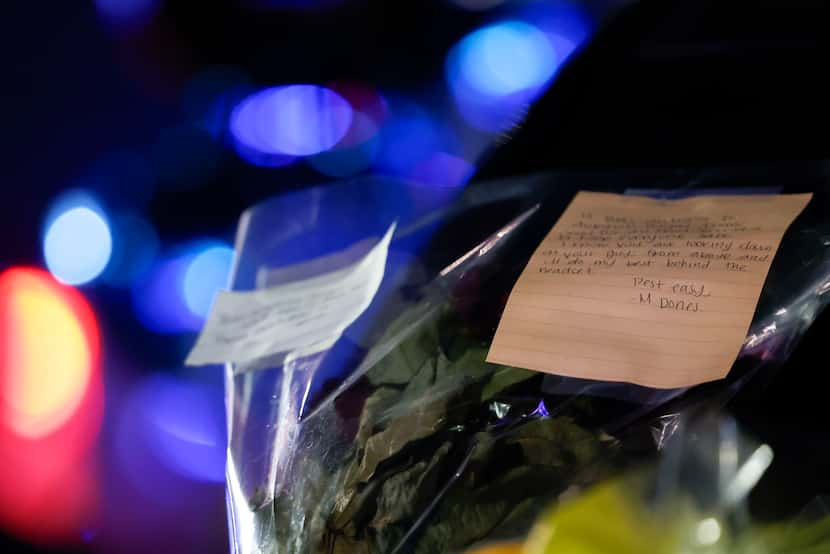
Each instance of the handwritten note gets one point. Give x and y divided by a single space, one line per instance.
654 292
301 317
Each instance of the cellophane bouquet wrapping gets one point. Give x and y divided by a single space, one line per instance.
400 438
693 500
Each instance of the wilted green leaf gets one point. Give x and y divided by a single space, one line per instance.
503 378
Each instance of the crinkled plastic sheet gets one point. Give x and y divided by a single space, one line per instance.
400 438
693 498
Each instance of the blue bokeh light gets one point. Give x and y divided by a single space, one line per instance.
497 70
494 73
170 428
206 274
353 154
135 247
176 294
410 135
567 24
163 462
158 299
363 98
188 432
506 58
444 170
127 12
77 245
406 141
289 121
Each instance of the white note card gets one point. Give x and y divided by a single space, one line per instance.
300 317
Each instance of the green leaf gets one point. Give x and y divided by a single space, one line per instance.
407 358
420 422
503 378
405 494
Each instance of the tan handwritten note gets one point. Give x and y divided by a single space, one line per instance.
659 293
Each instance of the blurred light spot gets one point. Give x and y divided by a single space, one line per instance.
164 451
77 244
363 98
290 121
362 129
187 426
129 13
495 72
158 301
206 274
708 532
50 405
406 141
51 347
355 152
506 58
567 24
166 300
408 137
444 170
186 156
135 247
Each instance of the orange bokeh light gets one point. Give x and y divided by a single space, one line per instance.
49 356
51 405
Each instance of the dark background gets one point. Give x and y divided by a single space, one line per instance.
655 84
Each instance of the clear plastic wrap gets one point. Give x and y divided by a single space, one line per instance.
693 499
400 438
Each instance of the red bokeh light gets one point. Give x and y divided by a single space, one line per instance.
51 406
